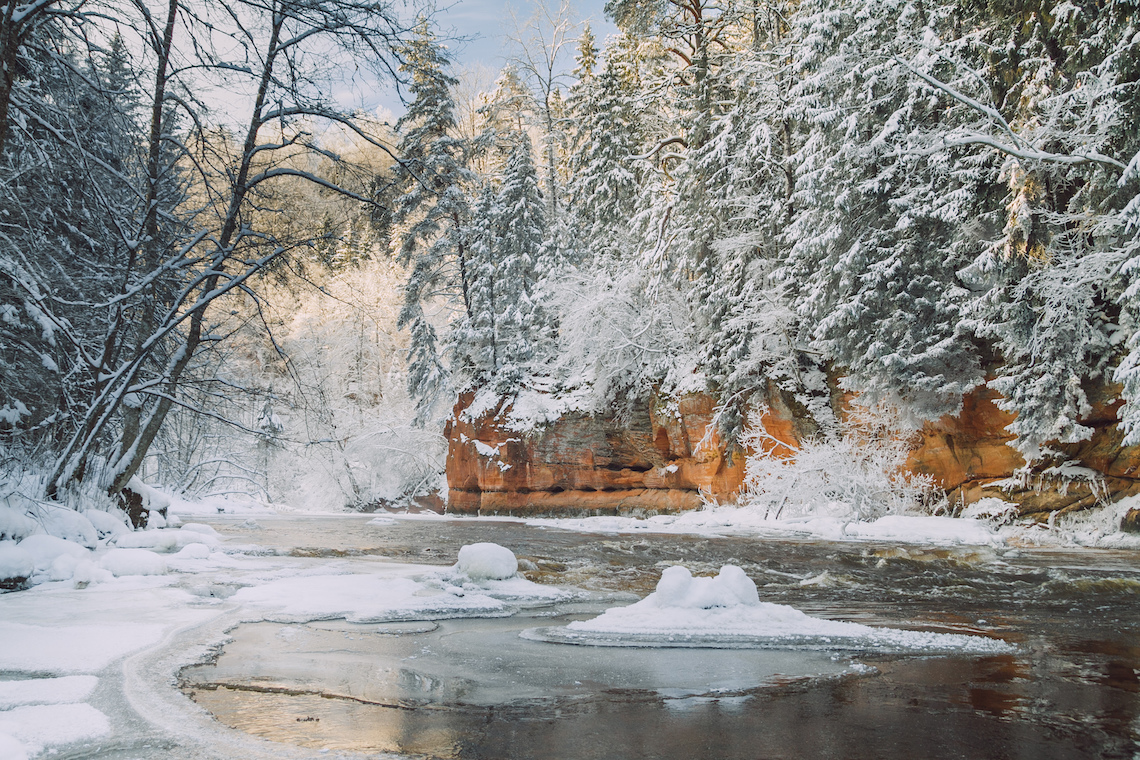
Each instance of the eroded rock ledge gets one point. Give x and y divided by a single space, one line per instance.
968 456
659 458
664 456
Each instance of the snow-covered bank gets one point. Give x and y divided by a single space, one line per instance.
90 651
1096 528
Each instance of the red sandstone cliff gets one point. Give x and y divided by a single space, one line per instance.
664 456
660 459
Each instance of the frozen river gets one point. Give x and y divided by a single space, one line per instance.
472 688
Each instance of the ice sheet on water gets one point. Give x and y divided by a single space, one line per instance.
726 612
362 598
168 539
45 691
63 649
36 727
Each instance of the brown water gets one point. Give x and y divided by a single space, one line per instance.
472 689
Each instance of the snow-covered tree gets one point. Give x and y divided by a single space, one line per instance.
432 212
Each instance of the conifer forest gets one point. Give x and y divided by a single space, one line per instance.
213 273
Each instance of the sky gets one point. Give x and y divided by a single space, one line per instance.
481 29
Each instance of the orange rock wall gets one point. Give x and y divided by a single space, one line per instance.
662 459
665 458
968 456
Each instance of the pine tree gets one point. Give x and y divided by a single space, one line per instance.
433 211
522 229
606 180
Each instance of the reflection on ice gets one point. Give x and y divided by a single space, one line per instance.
726 612
401 688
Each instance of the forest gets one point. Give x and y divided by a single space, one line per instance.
216 277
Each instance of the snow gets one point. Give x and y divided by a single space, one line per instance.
39 726
486 561
45 691
15 562
730 588
153 500
136 562
727 609
15 525
193 551
11 749
233 504
917 529
166 539
202 528
44 549
107 523
69 524
70 649
746 520
486 450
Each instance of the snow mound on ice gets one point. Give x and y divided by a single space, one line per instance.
45 691
725 611
16 564
489 562
45 549
133 562
40 726
678 588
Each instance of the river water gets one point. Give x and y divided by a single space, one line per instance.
473 689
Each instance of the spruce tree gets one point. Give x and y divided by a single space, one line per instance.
432 212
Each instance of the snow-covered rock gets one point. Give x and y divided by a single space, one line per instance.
487 562
133 562
202 528
16 566
165 540
678 588
15 525
108 523
69 524
193 551
44 549
153 500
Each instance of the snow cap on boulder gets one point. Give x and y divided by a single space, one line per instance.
16 565
678 588
487 562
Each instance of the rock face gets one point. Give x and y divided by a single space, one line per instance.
660 457
1130 523
665 456
968 456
